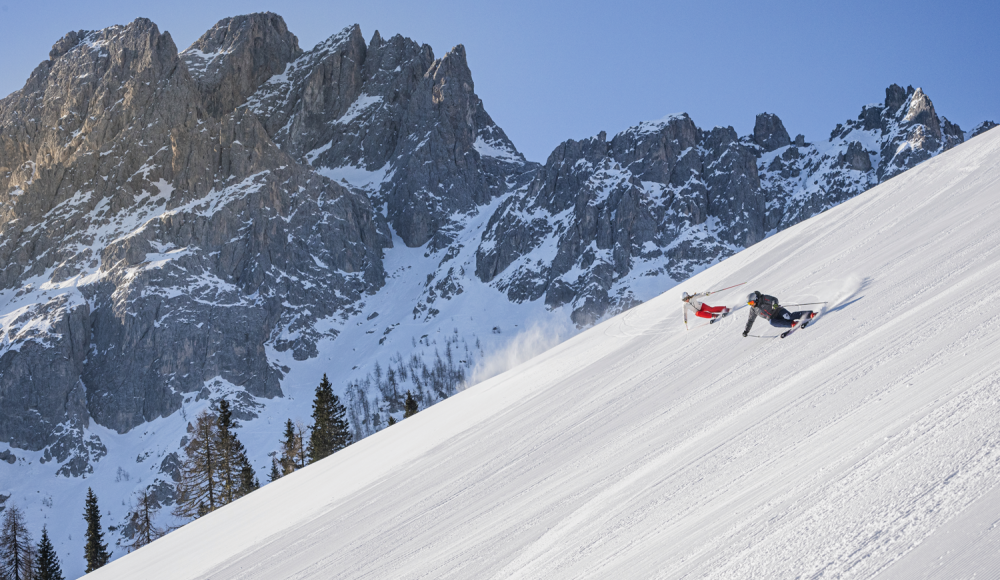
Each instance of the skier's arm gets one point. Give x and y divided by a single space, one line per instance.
750 319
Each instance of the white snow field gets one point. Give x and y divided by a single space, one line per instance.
864 446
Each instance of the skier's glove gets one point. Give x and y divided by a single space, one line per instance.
745 334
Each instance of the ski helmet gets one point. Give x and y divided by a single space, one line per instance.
685 296
753 297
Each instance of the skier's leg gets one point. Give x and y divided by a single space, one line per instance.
782 319
712 309
796 316
704 312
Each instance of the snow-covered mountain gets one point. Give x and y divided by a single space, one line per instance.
864 446
236 219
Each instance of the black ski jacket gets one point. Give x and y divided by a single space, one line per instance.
767 308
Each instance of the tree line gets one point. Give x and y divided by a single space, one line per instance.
434 374
20 558
214 472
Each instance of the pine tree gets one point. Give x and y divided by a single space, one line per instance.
300 437
330 431
232 457
95 552
410 405
198 492
48 561
17 554
291 449
321 436
141 518
275 473
392 420
248 479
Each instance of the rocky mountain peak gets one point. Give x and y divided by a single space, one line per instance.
921 111
391 109
980 129
451 72
769 132
895 96
64 44
233 58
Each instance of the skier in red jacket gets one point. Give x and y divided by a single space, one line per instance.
700 309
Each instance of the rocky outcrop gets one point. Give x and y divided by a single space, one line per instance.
883 141
414 127
980 129
769 132
855 157
37 388
230 61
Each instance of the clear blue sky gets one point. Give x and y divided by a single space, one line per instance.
550 71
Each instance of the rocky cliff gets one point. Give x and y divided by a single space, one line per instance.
149 246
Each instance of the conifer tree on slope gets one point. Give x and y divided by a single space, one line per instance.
330 432
232 458
48 562
198 492
275 473
302 456
248 479
95 552
291 449
17 554
141 518
410 405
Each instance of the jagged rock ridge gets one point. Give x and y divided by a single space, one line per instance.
390 109
667 199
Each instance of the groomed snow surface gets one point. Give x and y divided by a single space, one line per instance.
866 445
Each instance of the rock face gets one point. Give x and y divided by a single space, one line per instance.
980 129
608 206
232 60
886 139
176 228
413 123
769 132
159 246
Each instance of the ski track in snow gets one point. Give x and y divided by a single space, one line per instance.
862 446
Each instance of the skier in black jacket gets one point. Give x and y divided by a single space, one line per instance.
767 307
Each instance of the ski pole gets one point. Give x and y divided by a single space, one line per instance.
717 291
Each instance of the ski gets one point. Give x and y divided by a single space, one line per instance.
802 323
720 317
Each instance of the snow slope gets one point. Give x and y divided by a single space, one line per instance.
863 446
